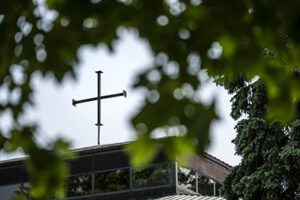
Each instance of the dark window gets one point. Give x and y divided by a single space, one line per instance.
111 181
10 175
154 175
81 165
104 161
79 185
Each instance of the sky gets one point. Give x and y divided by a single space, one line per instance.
57 117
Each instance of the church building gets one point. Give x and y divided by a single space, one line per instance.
103 173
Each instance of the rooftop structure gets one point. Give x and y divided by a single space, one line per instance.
103 172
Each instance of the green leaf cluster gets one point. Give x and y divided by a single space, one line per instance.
221 37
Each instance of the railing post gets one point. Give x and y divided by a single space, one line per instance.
197 182
130 179
215 192
174 174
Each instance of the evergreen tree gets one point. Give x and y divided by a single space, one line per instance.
270 166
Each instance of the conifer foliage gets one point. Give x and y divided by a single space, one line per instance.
270 166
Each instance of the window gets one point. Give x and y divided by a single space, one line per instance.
79 185
205 185
187 178
153 175
190 179
111 181
8 191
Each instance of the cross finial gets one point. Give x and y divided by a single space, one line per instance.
99 98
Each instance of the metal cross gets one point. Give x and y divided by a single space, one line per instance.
99 98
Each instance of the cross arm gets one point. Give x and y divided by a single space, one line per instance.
124 93
75 102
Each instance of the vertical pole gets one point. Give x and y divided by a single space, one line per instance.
98 134
99 104
99 95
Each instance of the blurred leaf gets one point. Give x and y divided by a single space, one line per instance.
48 170
19 197
142 151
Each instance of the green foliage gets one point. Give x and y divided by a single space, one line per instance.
270 153
223 38
47 169
20 197
23 194
46 166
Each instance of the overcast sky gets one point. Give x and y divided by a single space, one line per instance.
58 118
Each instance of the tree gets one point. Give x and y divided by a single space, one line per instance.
270 166
223 38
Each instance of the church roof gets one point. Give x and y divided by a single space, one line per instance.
188 197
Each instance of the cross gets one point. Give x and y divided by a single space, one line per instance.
98 99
